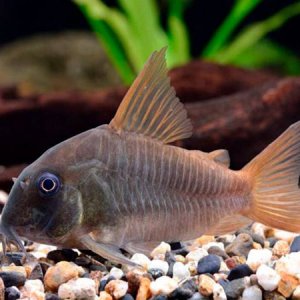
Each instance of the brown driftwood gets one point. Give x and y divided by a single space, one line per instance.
31 124
246 122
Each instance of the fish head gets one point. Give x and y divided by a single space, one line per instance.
44 204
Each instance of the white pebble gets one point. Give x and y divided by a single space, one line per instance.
117 288
141 259
218 292
116 272
252 293
3 197
159 264
259 229
296 293
163 285
213 244
257 257
284 235
223 267
289 264
78 289
267 278
180 271
228 238
161 250
196 255
34 285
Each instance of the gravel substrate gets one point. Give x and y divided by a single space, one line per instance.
254 263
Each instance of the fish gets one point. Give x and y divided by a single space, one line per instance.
126 185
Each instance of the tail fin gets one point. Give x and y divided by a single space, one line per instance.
276 182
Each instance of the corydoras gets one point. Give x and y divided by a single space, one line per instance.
122 186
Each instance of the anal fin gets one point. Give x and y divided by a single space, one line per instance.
109 252
229 224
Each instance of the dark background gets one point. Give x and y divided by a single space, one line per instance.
21 18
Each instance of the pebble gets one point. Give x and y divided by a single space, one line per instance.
296 293
180 293
12 293
12 278
77 289
180 258
116 273
217 251
196 255
206 285
160 251
257 257
159 297
105 296
240 246
61 273
257 238
12 268
289 264
62 255
129 297
287 284
281 248
163 285
209 264
3 197
295 245
117 288
36 273
272 241
156 273
267 277
234 289
218 292
259 229
213 244
203 240
141 259
239 271
180 271
159 264
33 285
50 296
198 296
252 293
284 235
144 289
272 296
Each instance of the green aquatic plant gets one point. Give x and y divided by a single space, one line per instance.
132 31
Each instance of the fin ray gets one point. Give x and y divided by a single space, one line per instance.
275 174
151 107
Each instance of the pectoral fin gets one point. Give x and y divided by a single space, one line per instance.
109 252
141 247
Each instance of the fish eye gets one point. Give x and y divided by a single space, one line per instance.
48 184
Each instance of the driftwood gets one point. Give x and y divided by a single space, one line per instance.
31 124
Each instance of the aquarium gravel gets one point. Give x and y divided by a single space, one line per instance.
254 263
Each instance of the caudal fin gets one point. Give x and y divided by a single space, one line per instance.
275 199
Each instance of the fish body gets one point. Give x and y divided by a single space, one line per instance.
122 186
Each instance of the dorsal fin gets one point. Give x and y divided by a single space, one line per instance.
151 107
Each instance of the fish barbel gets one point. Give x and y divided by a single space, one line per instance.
122 186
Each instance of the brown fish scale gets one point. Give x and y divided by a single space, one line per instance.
164 192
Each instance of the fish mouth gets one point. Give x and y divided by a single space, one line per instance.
9 236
